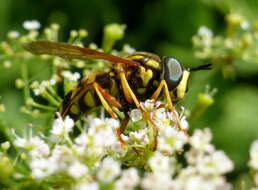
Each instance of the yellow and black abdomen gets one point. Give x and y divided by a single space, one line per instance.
84 98
76 103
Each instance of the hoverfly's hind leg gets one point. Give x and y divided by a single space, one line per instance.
106 98
121 129
155 96
109 98
129 94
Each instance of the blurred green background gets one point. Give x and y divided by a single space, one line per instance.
166 28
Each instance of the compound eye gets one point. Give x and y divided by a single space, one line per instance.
172 72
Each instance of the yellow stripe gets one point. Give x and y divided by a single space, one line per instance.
136 57
89 99
152 63
75 109
181 88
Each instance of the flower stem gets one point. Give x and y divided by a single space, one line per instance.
25 78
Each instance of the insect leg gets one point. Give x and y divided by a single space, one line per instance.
103 101
129 94
156 94
109 98
121 129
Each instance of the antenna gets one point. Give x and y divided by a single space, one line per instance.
201 67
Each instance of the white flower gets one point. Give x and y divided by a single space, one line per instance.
43 167
201 140
161 164
13 34
88 186
63 156
215 163
161 118
31 25
189 179
52 81
206 36
129 179
82 139
149 105
71 76
170 140
245 25
41 87
36 146
77 170
184 123
197 183
253 163
102 133
140 136
61 127
135 115
205 31
109 169
112 123
118 149
20 142
163 181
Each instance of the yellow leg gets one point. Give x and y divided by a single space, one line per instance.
129 95
170 105
158 91
103 101
109 98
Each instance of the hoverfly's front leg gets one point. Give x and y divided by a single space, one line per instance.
155 96
106 98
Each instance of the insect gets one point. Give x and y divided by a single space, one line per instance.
132 79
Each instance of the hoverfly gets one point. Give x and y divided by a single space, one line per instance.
132 79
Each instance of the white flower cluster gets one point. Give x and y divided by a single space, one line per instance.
203 41
31 25
205 167
253 162
95 157
71 76
41 88
70 156
239 42
169 139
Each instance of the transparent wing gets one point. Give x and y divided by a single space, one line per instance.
71 52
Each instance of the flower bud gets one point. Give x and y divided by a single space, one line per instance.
112 33
19 83
5 146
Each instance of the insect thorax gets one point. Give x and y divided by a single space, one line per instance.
146 77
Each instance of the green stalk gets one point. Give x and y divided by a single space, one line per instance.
50 98
25 78
37 105
53 92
